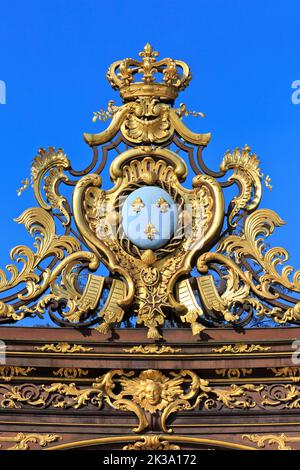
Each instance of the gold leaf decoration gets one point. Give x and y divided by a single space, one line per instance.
240 282
150 231
39 223
52 162
234 373
151 443
137 204
25 185
64 348
261 224
291 372
151 392
280 441
247 174
70 372
23 441
8 372
152 349
240 348
162 204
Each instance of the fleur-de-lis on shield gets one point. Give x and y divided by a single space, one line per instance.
150 231
137 205
162 204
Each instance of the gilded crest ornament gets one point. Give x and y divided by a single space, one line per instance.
172 253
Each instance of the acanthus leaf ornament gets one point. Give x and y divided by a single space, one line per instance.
23 441
247 174
63 348
151 443
8 372
278 440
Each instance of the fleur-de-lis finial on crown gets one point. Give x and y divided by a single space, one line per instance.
175 74
147 66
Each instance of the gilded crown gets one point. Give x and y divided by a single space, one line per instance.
176 76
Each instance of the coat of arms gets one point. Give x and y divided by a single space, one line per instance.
172 251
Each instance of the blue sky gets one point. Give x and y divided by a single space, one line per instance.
244 56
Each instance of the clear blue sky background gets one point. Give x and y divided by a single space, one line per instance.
244 55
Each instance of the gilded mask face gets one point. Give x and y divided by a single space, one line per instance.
153 392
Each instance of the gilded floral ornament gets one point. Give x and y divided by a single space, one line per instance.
152 349
234 373
151 393
7 373
292 372
280 441
23 441
151 443
247 174
64 348
240 348
70 372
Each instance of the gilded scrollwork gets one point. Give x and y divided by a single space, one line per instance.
151 275
244 286
239 282
148 121
240 348
7 373
64 348
292 372
284 396
234 373
59 395
261 224
38 222
70 372
151 393
247 174
53 163
278 440
23 441
152 349
151 443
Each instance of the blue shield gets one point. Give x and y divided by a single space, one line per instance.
149 217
